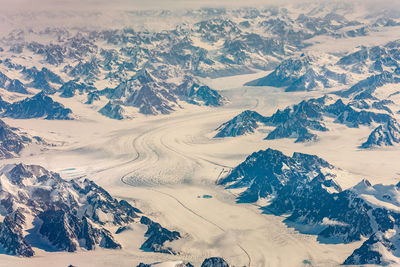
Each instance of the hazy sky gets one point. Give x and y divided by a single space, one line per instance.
132 4
27 13
20 5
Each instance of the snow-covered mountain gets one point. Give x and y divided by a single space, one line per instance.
138 64
364 70
12 85
305 187
245 122
384 135
37 106
11 142
39 206
304 120
150 69
301 74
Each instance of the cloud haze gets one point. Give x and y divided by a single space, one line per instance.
164 4
112 13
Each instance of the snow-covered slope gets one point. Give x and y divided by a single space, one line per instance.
305 188
304 120
11 142
40 208
37 106
179 64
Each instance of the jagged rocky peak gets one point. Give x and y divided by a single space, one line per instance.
387 134
143 76
157 236
303 73
302 121
39 106
245 122
374 59
43 79
298 120
11 142
365 89
214 262
286 73
69 88
377 250
204 95
12 85
113 111
69 215
304 188
265 172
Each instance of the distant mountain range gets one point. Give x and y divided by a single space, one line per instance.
152 71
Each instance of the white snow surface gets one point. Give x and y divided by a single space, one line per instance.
163 164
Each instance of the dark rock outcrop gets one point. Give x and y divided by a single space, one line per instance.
38 106
214 262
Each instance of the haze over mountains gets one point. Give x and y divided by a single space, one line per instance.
180 133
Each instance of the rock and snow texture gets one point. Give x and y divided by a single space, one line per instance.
364 70
304 187
214 262
209 262
245 122
384 135
12 85
113 111
302 121
11 142
301 74
147 69
37 106
156 71
38 205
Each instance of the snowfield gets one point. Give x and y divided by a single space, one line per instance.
165 164
169 165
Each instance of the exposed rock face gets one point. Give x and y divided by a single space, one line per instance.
269 171
300 74
304 188
92 96
214 262
70 215
12 85
372 250
11 237
155 95
69 89
11 143
113 111
384 135
157 236
303 120
43 79
38 106
245 122
364 88
204 95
